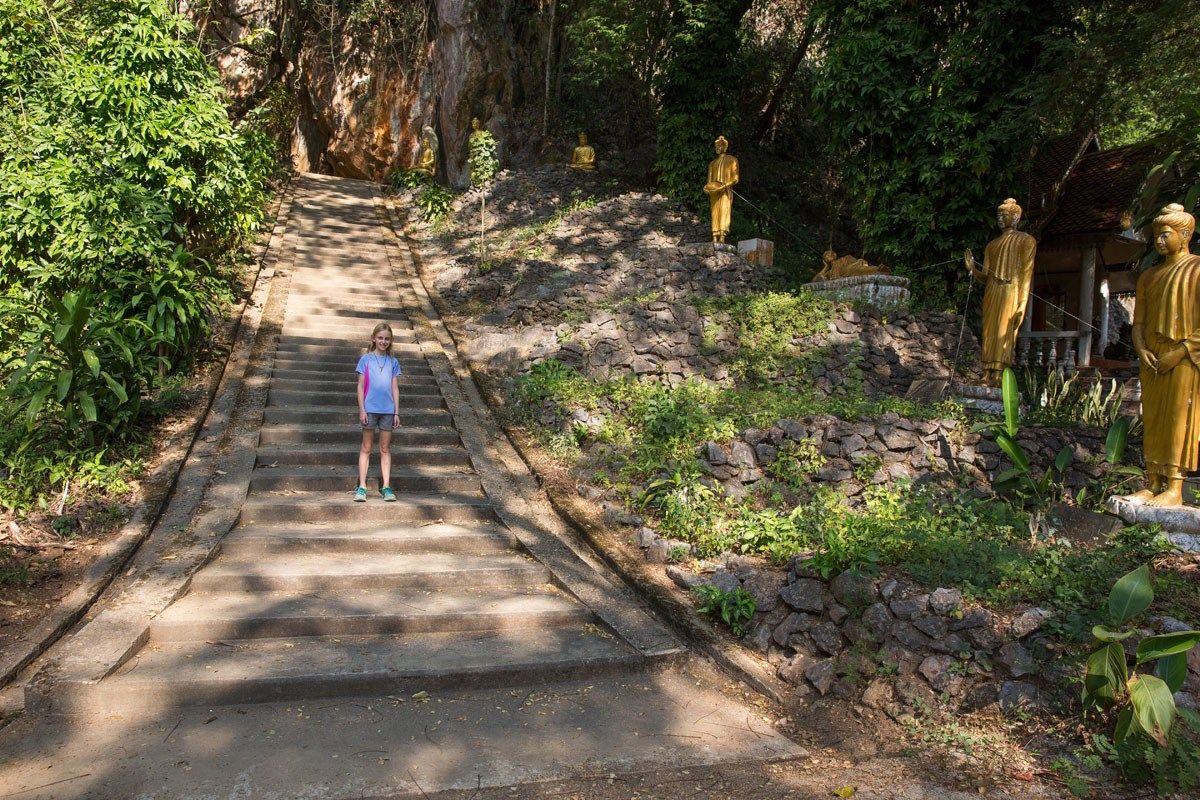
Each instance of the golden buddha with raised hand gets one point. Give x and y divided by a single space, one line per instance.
1166 334
584 156
722 177
1006 274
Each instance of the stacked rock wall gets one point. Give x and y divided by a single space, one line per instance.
896 448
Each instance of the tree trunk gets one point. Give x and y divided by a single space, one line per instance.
549 64
766 120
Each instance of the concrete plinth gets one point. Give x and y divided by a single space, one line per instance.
984 398
885 292
1180 524
757 251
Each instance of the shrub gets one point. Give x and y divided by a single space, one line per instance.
734 608
481 157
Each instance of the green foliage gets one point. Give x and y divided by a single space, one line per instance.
735 608
409 178
481 157
1054 399
697 90
928 108
1146 713
796 462
434 201
123 185
1020 479
769 327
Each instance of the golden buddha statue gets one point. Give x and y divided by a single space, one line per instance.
835 266
427 161
1166 335
722 177
1007 273
584 156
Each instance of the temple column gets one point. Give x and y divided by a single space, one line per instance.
1105 299
1087 288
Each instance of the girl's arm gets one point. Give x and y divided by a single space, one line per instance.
362 411
396 400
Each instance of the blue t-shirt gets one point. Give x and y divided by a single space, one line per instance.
378 371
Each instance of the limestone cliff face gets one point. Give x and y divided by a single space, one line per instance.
367 75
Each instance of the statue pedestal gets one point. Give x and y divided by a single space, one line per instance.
722 247
988 399
885 292
757 251
1180 524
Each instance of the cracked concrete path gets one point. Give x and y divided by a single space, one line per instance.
458 638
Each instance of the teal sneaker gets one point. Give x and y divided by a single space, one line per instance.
388 495
360 494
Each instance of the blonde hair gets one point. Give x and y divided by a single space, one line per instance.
383 326
1174 216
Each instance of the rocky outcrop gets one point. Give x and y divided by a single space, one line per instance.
368 76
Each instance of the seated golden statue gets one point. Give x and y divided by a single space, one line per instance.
427 161
584 156
836 266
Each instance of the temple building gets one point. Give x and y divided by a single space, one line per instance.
1082 205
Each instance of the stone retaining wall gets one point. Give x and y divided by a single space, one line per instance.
891 447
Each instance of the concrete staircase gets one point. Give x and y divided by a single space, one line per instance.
315 595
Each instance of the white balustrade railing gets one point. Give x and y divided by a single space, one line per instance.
1046 349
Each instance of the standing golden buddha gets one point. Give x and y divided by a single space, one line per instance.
1007 274
584 156
1166 334
722 177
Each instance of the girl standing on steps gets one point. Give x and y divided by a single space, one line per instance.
378 407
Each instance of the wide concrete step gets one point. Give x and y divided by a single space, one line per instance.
412 364
336 309
271 540
352 432
347 414
333 454
309 571
336 478
262 670
342 382
457 507
343 335
343 351
256 671
360 612
293 397
312 374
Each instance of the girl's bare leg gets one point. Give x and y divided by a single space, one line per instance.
385 457
364 454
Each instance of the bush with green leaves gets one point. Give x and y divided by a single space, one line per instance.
123 190
735 608
1143 699
482 157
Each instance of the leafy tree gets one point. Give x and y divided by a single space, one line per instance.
929 109
698 92
123 184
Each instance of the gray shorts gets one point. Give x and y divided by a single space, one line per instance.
383 422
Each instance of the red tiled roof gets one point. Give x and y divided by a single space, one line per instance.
1100 189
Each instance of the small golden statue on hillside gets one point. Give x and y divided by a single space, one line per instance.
584 156
1166 334
1007 273
427 160
835 266
722 177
